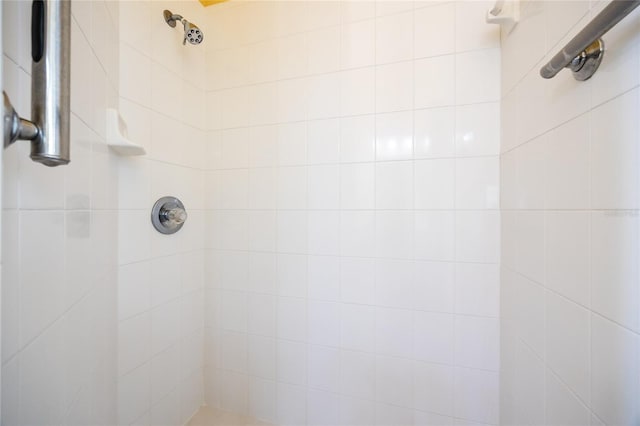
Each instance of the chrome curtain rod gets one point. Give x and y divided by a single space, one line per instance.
584 52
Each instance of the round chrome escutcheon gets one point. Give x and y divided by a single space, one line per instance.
168 215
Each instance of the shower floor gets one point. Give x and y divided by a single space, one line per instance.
208 416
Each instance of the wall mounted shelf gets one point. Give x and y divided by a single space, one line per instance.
117 137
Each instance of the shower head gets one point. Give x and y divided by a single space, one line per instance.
192 33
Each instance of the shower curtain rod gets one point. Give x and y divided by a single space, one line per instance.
584 52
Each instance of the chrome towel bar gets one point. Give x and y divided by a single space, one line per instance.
48 129
584 52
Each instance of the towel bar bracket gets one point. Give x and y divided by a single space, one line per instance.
586 63
583 53
16 127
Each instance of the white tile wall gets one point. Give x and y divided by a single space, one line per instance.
570 225
352 224
161 278
59 229
352 194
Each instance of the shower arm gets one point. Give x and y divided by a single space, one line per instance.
171 19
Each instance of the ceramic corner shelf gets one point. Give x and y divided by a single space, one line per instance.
506 13
117 138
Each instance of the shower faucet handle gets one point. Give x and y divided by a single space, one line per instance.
168 215
175 215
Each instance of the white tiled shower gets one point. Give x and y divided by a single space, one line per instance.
161 278
570 351
352 196
60 264
393 220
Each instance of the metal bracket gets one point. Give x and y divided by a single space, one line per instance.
586 63
15 127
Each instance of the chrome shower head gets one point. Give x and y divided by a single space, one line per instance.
192 33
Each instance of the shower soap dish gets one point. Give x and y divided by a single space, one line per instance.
117 136
505 13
